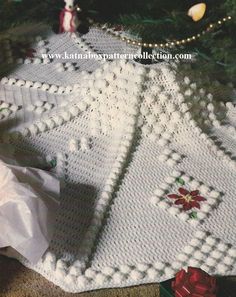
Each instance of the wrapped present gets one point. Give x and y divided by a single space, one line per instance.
166 289
191 283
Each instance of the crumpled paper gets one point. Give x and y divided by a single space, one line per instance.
28 205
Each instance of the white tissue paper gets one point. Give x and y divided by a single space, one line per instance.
28 205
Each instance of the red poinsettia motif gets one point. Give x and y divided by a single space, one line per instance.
189 199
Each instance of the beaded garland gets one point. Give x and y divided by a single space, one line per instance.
169 44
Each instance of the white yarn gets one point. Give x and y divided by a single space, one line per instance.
123 137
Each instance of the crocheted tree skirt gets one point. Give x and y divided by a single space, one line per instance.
147 158
18 281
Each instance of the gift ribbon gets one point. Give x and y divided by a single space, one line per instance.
194 283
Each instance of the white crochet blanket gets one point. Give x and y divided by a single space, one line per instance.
147 158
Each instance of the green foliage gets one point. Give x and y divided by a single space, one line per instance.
163 20
14 13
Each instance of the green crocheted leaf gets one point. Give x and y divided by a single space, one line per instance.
2 109
53 163
193 215
180 181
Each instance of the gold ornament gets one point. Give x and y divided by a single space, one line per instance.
78 9
197 11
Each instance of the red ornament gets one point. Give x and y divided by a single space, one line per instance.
30 52
194 283
188 199
23 50
118 28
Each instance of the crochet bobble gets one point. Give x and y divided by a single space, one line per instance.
204 104
155 133
230 106
170 157
46 61
73 145
40 107
60 167
53 121
77 274
61 67
7 109
106 194
204 248
219 151
84 144
83 45
101 120
53 89
36 61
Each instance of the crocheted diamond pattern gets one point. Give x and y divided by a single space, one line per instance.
123 138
